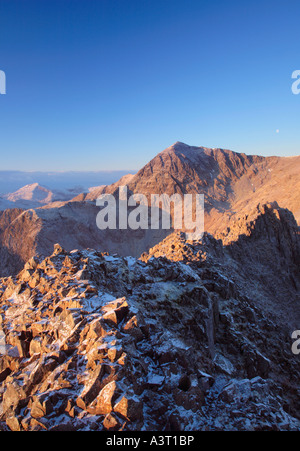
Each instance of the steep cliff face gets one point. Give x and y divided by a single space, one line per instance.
182 339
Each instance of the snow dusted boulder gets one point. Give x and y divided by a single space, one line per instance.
92 341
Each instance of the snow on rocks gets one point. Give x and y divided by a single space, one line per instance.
98 342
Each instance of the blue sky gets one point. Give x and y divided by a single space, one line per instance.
107 84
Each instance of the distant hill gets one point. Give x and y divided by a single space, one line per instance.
34 196
11 181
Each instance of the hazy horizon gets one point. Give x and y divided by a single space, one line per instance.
11 181
125 171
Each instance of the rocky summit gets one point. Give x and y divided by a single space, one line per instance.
184 338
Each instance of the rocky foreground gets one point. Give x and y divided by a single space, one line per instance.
176 340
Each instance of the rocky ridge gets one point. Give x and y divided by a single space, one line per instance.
172 341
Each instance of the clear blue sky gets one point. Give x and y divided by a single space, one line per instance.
107 84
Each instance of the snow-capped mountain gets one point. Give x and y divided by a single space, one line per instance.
34 196
79 181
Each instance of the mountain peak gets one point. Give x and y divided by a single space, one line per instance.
34 195
183 147
32 192
179 144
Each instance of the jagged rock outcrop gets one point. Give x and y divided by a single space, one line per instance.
262 255
173 341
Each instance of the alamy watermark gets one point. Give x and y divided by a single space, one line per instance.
296 84
3 346
296 343
2 82
155 211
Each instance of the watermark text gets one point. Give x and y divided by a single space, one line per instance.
2 82
296 343
296 84
155 211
